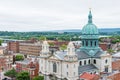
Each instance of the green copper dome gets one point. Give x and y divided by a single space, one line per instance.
90 38
90 28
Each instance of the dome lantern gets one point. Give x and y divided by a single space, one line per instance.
90 17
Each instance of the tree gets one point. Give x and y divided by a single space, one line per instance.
51 44
110 51
23 76
11 73
1 42
19 57
42 38
38 78
63 47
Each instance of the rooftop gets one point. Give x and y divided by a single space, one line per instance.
88 76
116 65
86 68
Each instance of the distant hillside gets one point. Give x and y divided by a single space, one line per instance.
100 30
109 30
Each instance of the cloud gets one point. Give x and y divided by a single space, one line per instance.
39 15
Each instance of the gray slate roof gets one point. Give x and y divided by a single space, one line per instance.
60 55
97 55
85 68
82 55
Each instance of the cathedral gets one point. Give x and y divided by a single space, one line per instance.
70 64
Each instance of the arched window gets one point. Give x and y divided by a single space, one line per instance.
83 43
89 61
54 67
94 61
80 63
95 43
90 43
95 72
84 62
106 61
86 43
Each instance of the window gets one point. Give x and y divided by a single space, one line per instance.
91 43
86 43
95 43
95 72
54 67
74 65
94 61
67 73
83 43
67 65
85 62
106 61
106 68
89 61
80 63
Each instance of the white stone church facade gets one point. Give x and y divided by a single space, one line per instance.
69 64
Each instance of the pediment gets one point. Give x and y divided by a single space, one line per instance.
53 57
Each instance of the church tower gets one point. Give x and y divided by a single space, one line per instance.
71 62
90 37
45 47
45 52
71 55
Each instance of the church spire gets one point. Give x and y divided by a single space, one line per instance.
90 17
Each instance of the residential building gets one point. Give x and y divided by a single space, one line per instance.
30 48
13 47
3 65
3 50
114 77
30 65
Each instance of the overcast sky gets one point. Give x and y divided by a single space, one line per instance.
42 15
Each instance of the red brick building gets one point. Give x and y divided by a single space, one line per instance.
29 65
13 47
30 48
3 65
116 65
114 77
104 46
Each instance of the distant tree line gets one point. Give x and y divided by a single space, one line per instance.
66 36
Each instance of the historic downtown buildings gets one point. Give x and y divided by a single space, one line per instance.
71 63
